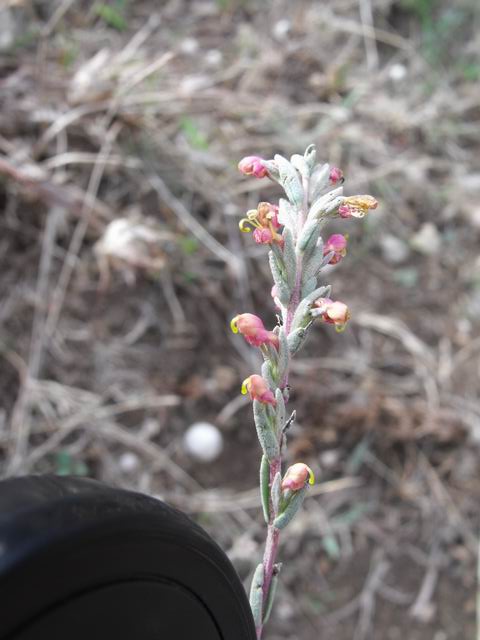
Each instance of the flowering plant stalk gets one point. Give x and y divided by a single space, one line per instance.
297 255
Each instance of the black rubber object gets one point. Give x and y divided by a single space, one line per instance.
84 561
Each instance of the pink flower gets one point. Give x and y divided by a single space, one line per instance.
338 244
336 175
253 166
263 236
252 329
357 206
297 477
258 389
331 312
264 222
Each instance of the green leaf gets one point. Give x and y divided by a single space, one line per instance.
192 133
113 16
265 488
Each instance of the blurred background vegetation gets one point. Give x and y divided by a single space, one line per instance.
121 124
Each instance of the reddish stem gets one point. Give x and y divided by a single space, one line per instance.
273 534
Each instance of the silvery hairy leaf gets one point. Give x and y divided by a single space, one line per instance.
290 509
296 339
300 165
326 204
279 277
308 236
266 435
319 181
302 316
310 156
287 215
309 286
283 356
290 180
271 597
256 595
280 413
314 264
276 492
272 169
268 374
265 488
289 257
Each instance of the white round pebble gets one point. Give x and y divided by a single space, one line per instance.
129 462
397 72
203 441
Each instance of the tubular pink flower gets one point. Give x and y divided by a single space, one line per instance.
331 312
297 477
264 222
336 175
253 166
252 329
258 389
338 244
356 206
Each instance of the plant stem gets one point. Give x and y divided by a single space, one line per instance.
273 534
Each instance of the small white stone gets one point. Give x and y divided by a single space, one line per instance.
213 57
397 72
394 250
129 462
189 46
281 28
329 458
203 441
427 240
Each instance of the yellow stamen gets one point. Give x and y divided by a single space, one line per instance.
311 478
244 389
244 225
233 324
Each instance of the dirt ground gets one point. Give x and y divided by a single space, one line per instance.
140 111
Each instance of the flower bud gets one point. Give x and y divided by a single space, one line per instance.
258 389
252 329
253 166
297 476
336 175
331 312
338 244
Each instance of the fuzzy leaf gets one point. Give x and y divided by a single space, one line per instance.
310 156
290 509
299 163
265 488
266 435
271 594
280 413
314 262
319 180
287 215
290 181
283 354
289 257
296 339
279 277
308 236
268 374
301 314
326 204
309 286
256 595
276 492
